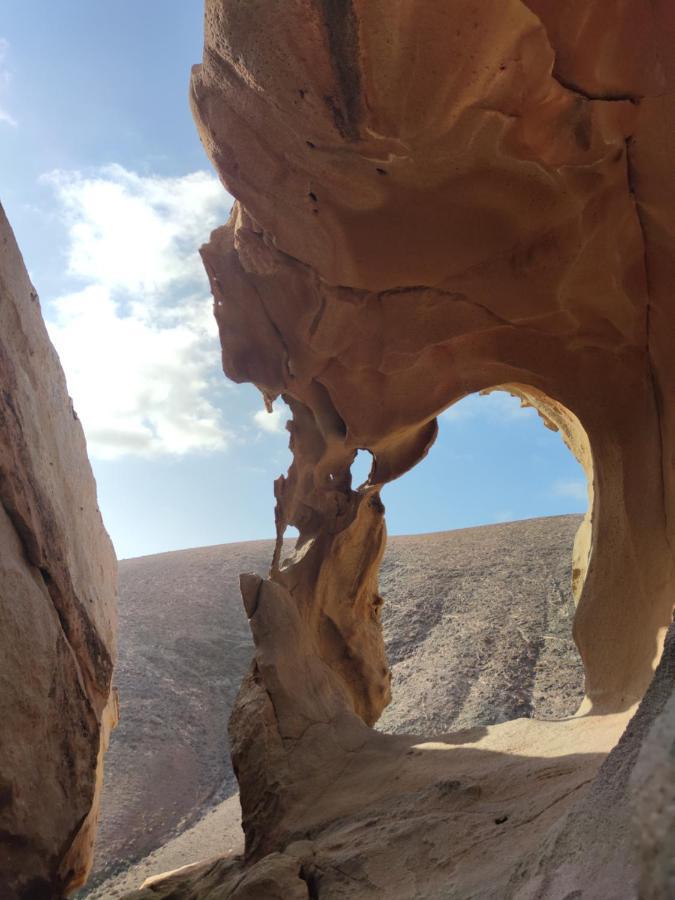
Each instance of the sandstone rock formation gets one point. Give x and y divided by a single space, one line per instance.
433 199
57 610
436 198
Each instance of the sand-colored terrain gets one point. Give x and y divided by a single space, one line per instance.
478 631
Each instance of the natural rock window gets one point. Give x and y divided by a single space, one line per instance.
484 632
517 240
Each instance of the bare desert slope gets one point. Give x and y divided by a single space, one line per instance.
478 630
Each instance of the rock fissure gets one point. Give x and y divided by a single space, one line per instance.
607 97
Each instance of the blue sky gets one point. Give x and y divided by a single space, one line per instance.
110 194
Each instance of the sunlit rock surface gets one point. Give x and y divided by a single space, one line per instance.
434 199
57 610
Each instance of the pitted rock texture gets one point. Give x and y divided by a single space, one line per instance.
652 783
57 610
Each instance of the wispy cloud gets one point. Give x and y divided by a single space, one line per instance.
5 79
136 335
272 422
497 407
573 488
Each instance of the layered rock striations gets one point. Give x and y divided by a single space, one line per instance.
434 199
57 610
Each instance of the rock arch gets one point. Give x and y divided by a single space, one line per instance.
433 198
361 390
433 201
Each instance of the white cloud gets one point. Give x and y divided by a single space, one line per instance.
272 422
5 79
574 488
138 233
496 407
139 387
137 337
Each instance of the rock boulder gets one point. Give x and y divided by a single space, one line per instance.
57 610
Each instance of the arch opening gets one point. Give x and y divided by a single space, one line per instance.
479 622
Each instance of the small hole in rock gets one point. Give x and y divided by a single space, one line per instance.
381 171
363 463
312 196
302 93
501 819
310 145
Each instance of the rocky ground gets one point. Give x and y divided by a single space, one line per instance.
478 626
478 629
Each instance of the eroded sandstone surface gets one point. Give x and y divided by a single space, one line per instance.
57 610
433 199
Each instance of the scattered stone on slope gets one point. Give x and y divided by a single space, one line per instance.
478 627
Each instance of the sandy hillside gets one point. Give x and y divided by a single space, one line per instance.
478 628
